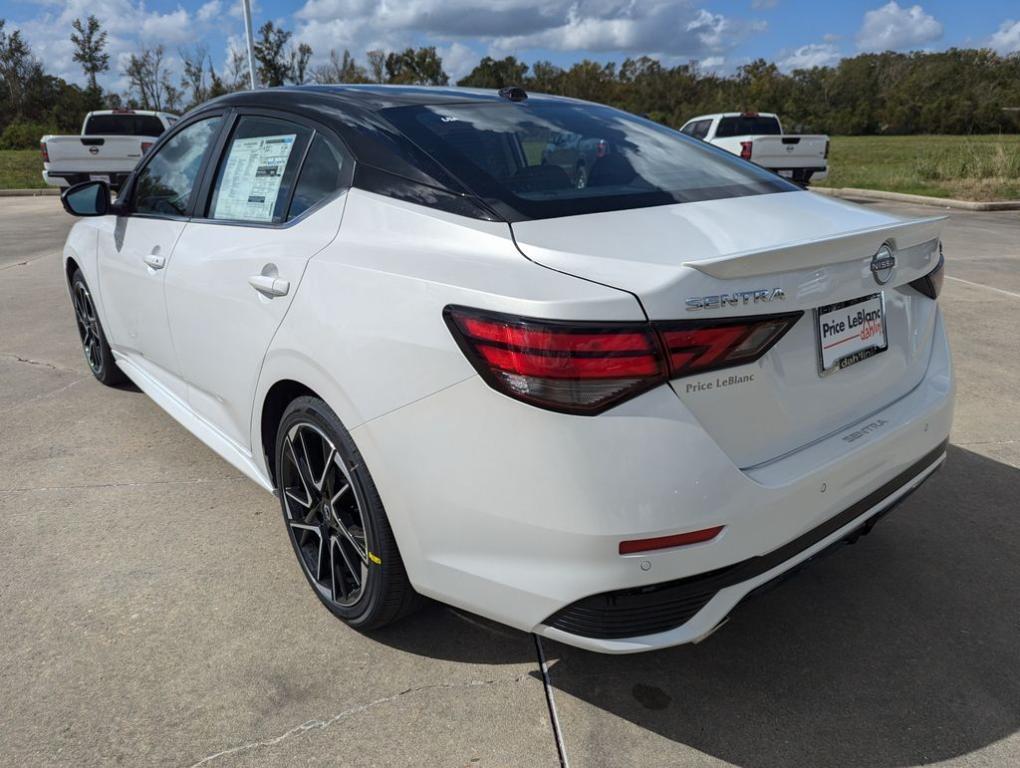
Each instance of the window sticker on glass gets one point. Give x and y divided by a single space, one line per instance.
251 179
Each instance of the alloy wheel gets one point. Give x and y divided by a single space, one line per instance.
325 515
88 327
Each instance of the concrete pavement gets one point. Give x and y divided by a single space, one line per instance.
151 612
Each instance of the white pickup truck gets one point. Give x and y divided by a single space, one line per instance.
759 137
110 145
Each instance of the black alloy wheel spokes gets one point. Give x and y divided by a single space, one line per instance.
88 327
325 514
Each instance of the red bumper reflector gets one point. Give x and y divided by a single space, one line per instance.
666 542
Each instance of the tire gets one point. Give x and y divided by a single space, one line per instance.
97 352
341 536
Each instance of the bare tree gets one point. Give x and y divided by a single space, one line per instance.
340 69
17 67
377 66
150 81
193 80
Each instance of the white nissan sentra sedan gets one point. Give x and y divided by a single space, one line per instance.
601 403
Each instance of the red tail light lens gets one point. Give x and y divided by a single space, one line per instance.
45 152
825 155
745 149
146 146
708 345
571 367
585 368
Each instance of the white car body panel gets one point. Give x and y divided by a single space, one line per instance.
222 326
509 510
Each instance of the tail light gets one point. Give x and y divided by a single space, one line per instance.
45 152
602 148
931 284
585 368
146 146
825 154
745 149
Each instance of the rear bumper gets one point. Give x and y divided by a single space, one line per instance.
661 609
803 175
70 178
517 514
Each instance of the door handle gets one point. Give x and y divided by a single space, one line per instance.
155 261
269 286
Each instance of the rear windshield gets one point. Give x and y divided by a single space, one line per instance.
554 158
123 125
748 126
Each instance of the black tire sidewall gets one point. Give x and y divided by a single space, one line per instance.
108 372
365 612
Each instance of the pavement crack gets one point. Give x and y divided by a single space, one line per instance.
141 484
319 725
30 361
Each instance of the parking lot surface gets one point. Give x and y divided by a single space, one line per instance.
151 612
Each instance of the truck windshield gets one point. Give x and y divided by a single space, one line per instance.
748 125
123 125
543 158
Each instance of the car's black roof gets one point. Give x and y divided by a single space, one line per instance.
387 160
368 97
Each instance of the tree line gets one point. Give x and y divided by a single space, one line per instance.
959 91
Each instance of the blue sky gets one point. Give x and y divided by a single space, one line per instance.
719 34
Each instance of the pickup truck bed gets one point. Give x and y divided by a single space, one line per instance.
109 147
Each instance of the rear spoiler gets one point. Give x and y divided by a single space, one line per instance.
850 246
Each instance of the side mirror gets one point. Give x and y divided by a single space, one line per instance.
90 198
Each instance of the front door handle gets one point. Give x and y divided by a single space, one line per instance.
155 261
269 286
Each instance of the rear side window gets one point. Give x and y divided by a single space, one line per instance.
746 125
698 129
544 159
123 125
256 176
165 184
321 175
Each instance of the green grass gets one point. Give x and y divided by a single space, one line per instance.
21 169
963 167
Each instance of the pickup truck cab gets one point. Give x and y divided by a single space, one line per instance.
111 143
759 137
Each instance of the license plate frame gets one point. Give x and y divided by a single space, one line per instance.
785 174
104 177
860 353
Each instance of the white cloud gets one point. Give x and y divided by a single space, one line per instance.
808 56
458 60
210 11
893 28
130 26
1007 39
664 28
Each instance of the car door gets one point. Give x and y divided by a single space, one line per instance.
273 200
136 247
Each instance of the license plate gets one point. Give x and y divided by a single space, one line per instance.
850 331
99 177
786 174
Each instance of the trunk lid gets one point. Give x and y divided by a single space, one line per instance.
814 251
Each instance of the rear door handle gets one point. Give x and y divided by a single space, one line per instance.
269 286
155 261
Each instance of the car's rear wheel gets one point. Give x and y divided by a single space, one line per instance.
90 330
336 521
